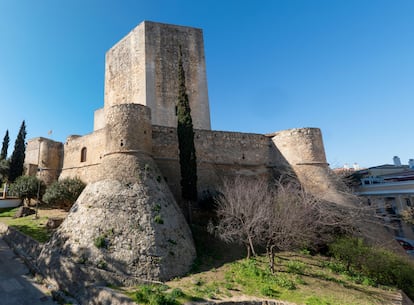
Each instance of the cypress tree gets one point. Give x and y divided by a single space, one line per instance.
5 146
185 132
17 158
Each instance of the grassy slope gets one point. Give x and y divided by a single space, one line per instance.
35 228
221 274
300 278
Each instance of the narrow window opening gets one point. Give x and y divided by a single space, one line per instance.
83 154
122 143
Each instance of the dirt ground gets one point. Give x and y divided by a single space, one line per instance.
52 212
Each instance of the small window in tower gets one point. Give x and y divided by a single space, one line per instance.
83 154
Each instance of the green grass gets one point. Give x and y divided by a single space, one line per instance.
160 295
8 212
35 228
301 279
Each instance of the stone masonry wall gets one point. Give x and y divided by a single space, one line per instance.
46 155
125 70
304 150
87 171
219 154
162 44
142 68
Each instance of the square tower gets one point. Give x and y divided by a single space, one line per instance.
142 68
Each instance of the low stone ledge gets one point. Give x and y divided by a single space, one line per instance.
24 246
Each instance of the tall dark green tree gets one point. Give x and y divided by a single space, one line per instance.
17 158
185 132
5 146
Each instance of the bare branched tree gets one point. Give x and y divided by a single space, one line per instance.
242 211
280 216
291 220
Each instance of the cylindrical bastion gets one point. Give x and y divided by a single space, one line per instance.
304 150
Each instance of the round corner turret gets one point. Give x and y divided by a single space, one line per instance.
128 129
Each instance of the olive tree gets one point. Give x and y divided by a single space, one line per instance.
26 187
64 192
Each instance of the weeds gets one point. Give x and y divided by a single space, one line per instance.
159 295
255 278
100 242
316 301
296 267
158 219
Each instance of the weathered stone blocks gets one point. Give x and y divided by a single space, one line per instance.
133 230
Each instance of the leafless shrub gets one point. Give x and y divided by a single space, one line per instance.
281 216
408 215
242 211
299 219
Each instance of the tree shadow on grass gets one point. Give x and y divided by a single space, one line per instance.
211 252
39 234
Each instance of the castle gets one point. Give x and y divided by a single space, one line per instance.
131 166
142 69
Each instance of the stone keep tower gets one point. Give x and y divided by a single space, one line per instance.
142 68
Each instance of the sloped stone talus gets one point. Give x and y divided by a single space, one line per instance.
132 229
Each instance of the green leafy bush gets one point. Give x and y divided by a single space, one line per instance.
63 193
26 187
373 265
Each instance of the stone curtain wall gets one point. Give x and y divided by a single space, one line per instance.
219 154
89 170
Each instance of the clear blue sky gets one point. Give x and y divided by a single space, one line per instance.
345 66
